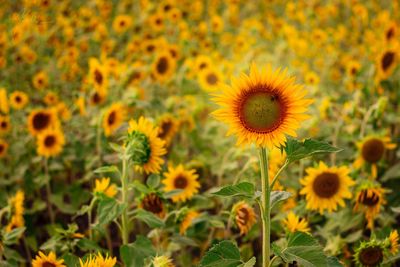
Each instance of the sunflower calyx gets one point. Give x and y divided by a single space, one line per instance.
138 148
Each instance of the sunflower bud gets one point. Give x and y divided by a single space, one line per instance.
138 148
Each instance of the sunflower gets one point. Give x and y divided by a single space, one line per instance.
163 67
209 79
5 124
393 241
293 223
245 217
3 148
50 142
370 253
153 146
103 186
188 221
179 178
4 106
153 203
50 260
113 118
98 260
326 187
156 22
40 80
122 23
40 120
98 75
352 68
311 78
162 261
16 204
97 97
202 63
369 199
168 127
386 62
372 150
262 107
18 100
391 31
51 98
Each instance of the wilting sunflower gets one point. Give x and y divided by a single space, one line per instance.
245 217
370 253
50 142
326 187
153 203
50 260
103 186
179 178
386 62
144 134
371 150
98 260
369 199
187 221
262 107
209 79
113 118
167 126
5 124
162 261
98 75
3 148
293 223
40 120
18 100
163 67
40 80
393 242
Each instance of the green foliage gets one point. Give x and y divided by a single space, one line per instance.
243 189
133 255
149 218
278 196
109 209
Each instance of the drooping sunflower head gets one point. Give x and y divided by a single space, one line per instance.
187 221
40 120
370 196
168 126
263 107
50 142
113 118
294 223
18 100
50 260
153 203
326 187
245 216
103 186
370 253
162 261
3 148
146 147
180 178
163 67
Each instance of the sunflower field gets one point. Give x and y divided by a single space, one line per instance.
207 133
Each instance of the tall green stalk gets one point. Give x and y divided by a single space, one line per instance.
124 182
265 206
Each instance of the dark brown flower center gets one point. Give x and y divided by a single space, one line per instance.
96 98
180 182
1 148
48 264
166 126
212 78
369 200
372 150
150 48
152 203
261 110
203 66
4 124
41 121
111 118
98 77
162 65
387 60
390 33
49 141
326 184
371 256
18 99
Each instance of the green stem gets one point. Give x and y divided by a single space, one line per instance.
90 217
278 173
265 199
272 260
48 191
124 182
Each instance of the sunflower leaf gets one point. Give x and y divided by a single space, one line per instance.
104 169
223 254
149 218
296 150
108 210
134 254
244 189
278 196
